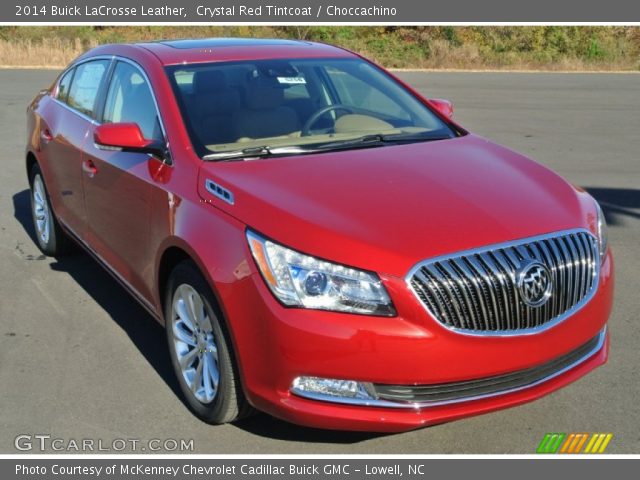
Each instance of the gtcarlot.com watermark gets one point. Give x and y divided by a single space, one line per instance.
44 442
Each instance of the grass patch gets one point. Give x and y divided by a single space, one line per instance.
476 47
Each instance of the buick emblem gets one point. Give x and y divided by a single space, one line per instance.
534 284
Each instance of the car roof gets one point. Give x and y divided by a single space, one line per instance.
172 52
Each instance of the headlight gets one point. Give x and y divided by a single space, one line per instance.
303 281
603 236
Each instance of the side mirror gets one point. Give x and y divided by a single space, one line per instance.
126 137
444 107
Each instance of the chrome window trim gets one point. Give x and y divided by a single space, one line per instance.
84 116
512 243
95 121
373 402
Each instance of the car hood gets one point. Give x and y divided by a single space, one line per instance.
386 208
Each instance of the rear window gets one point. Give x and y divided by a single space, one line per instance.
85 85
63 86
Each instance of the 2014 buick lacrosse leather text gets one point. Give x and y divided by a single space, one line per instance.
321 242
101 11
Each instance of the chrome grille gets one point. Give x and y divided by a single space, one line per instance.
477 291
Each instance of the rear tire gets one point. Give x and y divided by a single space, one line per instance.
200 348
50 237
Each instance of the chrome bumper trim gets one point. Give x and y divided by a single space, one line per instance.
374 402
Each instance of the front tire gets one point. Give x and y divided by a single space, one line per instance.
200 351
52 241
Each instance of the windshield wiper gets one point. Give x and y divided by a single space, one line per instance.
266 151
360 142
365 141
263 151
413 137
377 139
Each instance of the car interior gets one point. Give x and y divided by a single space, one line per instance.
243 105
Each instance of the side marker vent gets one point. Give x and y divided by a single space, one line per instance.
219 191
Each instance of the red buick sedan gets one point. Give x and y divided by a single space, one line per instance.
321 242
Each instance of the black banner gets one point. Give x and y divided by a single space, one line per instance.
317 11
351 468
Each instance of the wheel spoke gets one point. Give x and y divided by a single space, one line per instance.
206 378
187 359
202 314
184 336
197 379
196 307
206 324
212 369
183 313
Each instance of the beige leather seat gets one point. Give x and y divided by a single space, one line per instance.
264 114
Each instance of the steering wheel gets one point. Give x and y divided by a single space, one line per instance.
306 128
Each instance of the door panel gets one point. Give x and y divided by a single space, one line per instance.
117 198
67 132
118 185
64 134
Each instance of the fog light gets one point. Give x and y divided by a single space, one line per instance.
316 387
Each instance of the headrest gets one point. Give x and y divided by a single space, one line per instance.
263 94
209 81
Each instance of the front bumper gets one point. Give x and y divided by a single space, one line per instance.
277 344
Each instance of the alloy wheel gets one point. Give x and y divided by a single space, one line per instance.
194 343
41 210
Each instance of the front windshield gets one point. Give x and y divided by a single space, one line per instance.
275 104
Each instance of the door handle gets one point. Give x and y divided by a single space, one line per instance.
46 136
89 168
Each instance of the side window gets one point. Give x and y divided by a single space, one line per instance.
129 99
356 93
63 86
85 85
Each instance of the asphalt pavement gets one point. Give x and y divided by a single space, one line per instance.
79 359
